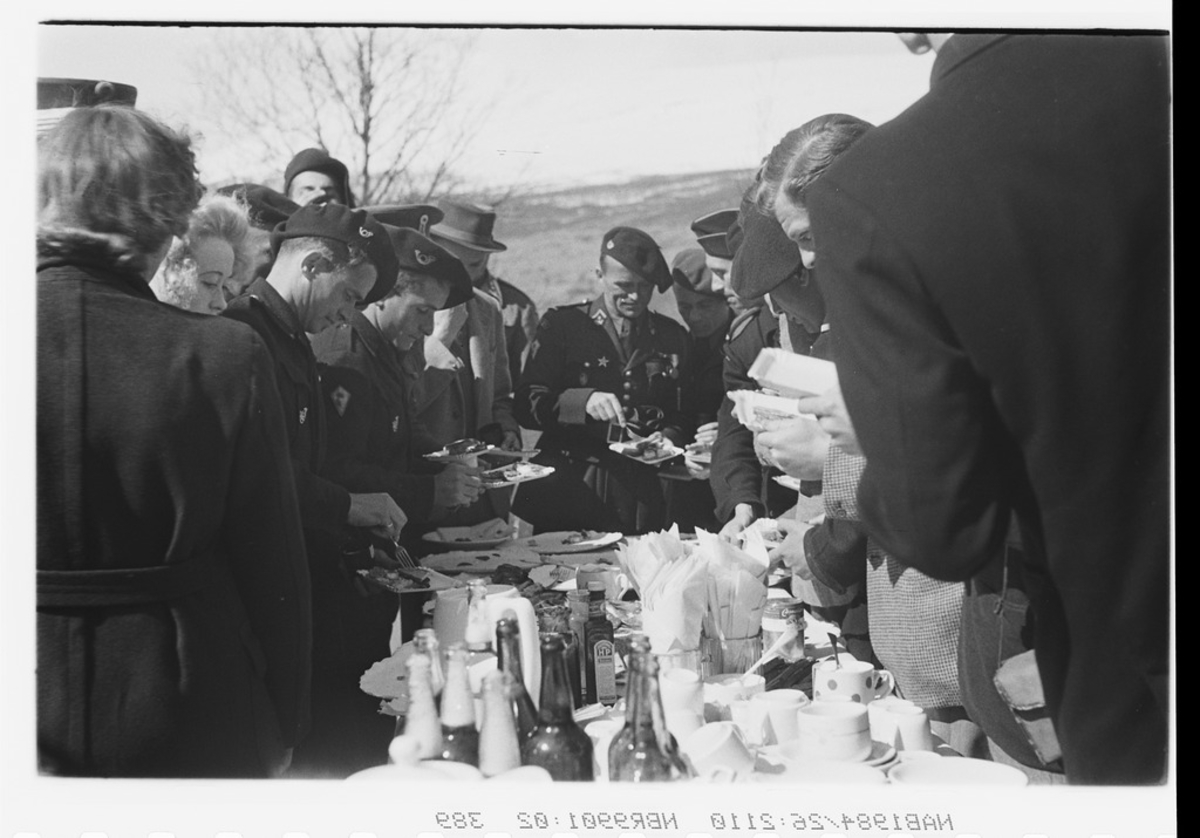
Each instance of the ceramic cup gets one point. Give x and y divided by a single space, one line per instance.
615 582
721 690
681 690
834 731
774 712
883 722
857 679
912 728
718 748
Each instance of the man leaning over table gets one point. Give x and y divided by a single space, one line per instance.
997 260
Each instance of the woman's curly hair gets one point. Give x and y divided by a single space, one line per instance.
114 184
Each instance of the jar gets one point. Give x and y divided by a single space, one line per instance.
778 615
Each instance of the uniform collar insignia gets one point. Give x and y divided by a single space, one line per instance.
395 424
303 414
340 398
600 316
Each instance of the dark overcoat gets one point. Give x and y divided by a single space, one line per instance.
997 264
174 625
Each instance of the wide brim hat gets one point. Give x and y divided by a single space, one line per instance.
470 225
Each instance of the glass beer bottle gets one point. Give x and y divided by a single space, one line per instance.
426 643
499 746
421 720
508 652
460 738
644 750
557 743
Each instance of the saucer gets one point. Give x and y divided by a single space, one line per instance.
881 754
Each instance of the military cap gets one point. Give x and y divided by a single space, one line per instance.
470 225
419 217
267 207
637 252
83 93
419 254
711 232
319 160
764 255
350 226
690 271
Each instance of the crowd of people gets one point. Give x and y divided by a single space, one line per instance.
990 273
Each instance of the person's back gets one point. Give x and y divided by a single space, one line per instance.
173 592
1019 301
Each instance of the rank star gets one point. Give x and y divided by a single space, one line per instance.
603 362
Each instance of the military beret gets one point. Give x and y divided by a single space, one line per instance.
349 226
637 252
266 206
765 256
419 217
689 270
418 254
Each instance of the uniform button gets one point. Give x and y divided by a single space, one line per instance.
628 385
626 399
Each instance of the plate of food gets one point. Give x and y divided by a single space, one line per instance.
651 450
404 580
479 561
460 449
524 455
514 473
576 541
482 536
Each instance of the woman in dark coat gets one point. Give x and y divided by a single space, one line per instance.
173 621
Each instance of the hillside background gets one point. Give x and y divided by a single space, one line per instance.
553 237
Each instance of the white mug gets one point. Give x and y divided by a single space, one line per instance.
834 731
717 748
601 732
775 713
856 679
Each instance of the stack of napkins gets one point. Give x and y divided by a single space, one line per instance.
670 580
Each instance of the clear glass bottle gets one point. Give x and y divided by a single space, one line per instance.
557 744
577 601
644 750
426 643
460 737
508 659
499 747
421 720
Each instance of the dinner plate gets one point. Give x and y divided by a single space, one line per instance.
409 580
479 561
788 482
775 768
961 771
444 456
578 541
388 678
478 537
514 473
669 451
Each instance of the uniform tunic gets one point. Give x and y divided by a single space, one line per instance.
173 621
577 353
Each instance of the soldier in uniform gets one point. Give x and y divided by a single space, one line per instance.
702 303
368 377
329 259
604 363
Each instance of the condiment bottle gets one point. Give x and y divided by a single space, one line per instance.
557 743
425 642
601 650
779 617
422 721
578 603
460 738
644 750
499 747
508 659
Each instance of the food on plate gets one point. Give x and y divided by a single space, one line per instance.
397 580
514 473
510 574
577 537
465 446
652 447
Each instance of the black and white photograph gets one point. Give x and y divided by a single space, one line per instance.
413 406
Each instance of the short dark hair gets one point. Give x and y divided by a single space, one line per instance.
339 254
803 155
114 182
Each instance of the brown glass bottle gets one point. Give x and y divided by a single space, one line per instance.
644 750
460 737
557 743
508 659
600 650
